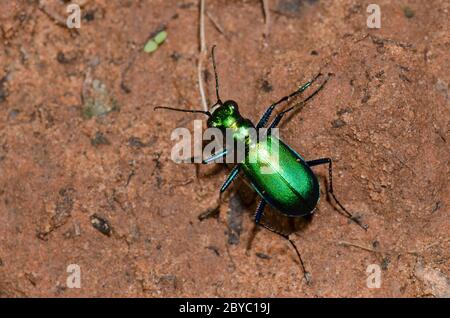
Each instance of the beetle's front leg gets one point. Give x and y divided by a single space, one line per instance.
214 211
280 115
214 157
265 117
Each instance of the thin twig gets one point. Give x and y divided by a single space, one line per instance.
413 252
266 17
216 24
202 26
202 55
369 249
52 14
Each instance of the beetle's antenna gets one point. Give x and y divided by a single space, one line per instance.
215 74
207 113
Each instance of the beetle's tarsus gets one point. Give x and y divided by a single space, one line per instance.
357 220
211 212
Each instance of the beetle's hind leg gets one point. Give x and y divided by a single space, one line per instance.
330 191
258 215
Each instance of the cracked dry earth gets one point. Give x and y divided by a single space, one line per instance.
86 176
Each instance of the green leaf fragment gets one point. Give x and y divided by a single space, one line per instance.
150 47
153 44
160 37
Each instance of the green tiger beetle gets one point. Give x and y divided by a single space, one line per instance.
293 189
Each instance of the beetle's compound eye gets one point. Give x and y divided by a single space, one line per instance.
230 106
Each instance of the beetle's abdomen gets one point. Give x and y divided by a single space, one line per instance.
282 177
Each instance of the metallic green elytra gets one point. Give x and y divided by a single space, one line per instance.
291 187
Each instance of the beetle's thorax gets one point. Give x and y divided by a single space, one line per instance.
227 118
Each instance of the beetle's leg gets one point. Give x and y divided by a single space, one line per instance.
265 117
216 156
258 215
260 210
280 115
216 209
233 174
328 161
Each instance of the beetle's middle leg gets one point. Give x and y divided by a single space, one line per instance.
258 215
328 161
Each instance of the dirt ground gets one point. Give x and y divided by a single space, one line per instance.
86 176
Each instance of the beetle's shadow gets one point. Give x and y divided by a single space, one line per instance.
244 201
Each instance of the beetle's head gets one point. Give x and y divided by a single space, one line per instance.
223 115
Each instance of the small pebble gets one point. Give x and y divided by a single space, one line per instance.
101 225
266 86
338 123
263 256
409 13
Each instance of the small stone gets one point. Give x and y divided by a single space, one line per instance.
98 101
263 256
89 15
136 142
266 86
409 13
3 90
435 282
175 56
65 58
101 224
344 111
99 139
214 249
13 114
338 123
385 263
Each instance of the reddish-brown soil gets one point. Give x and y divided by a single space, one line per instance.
384 117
